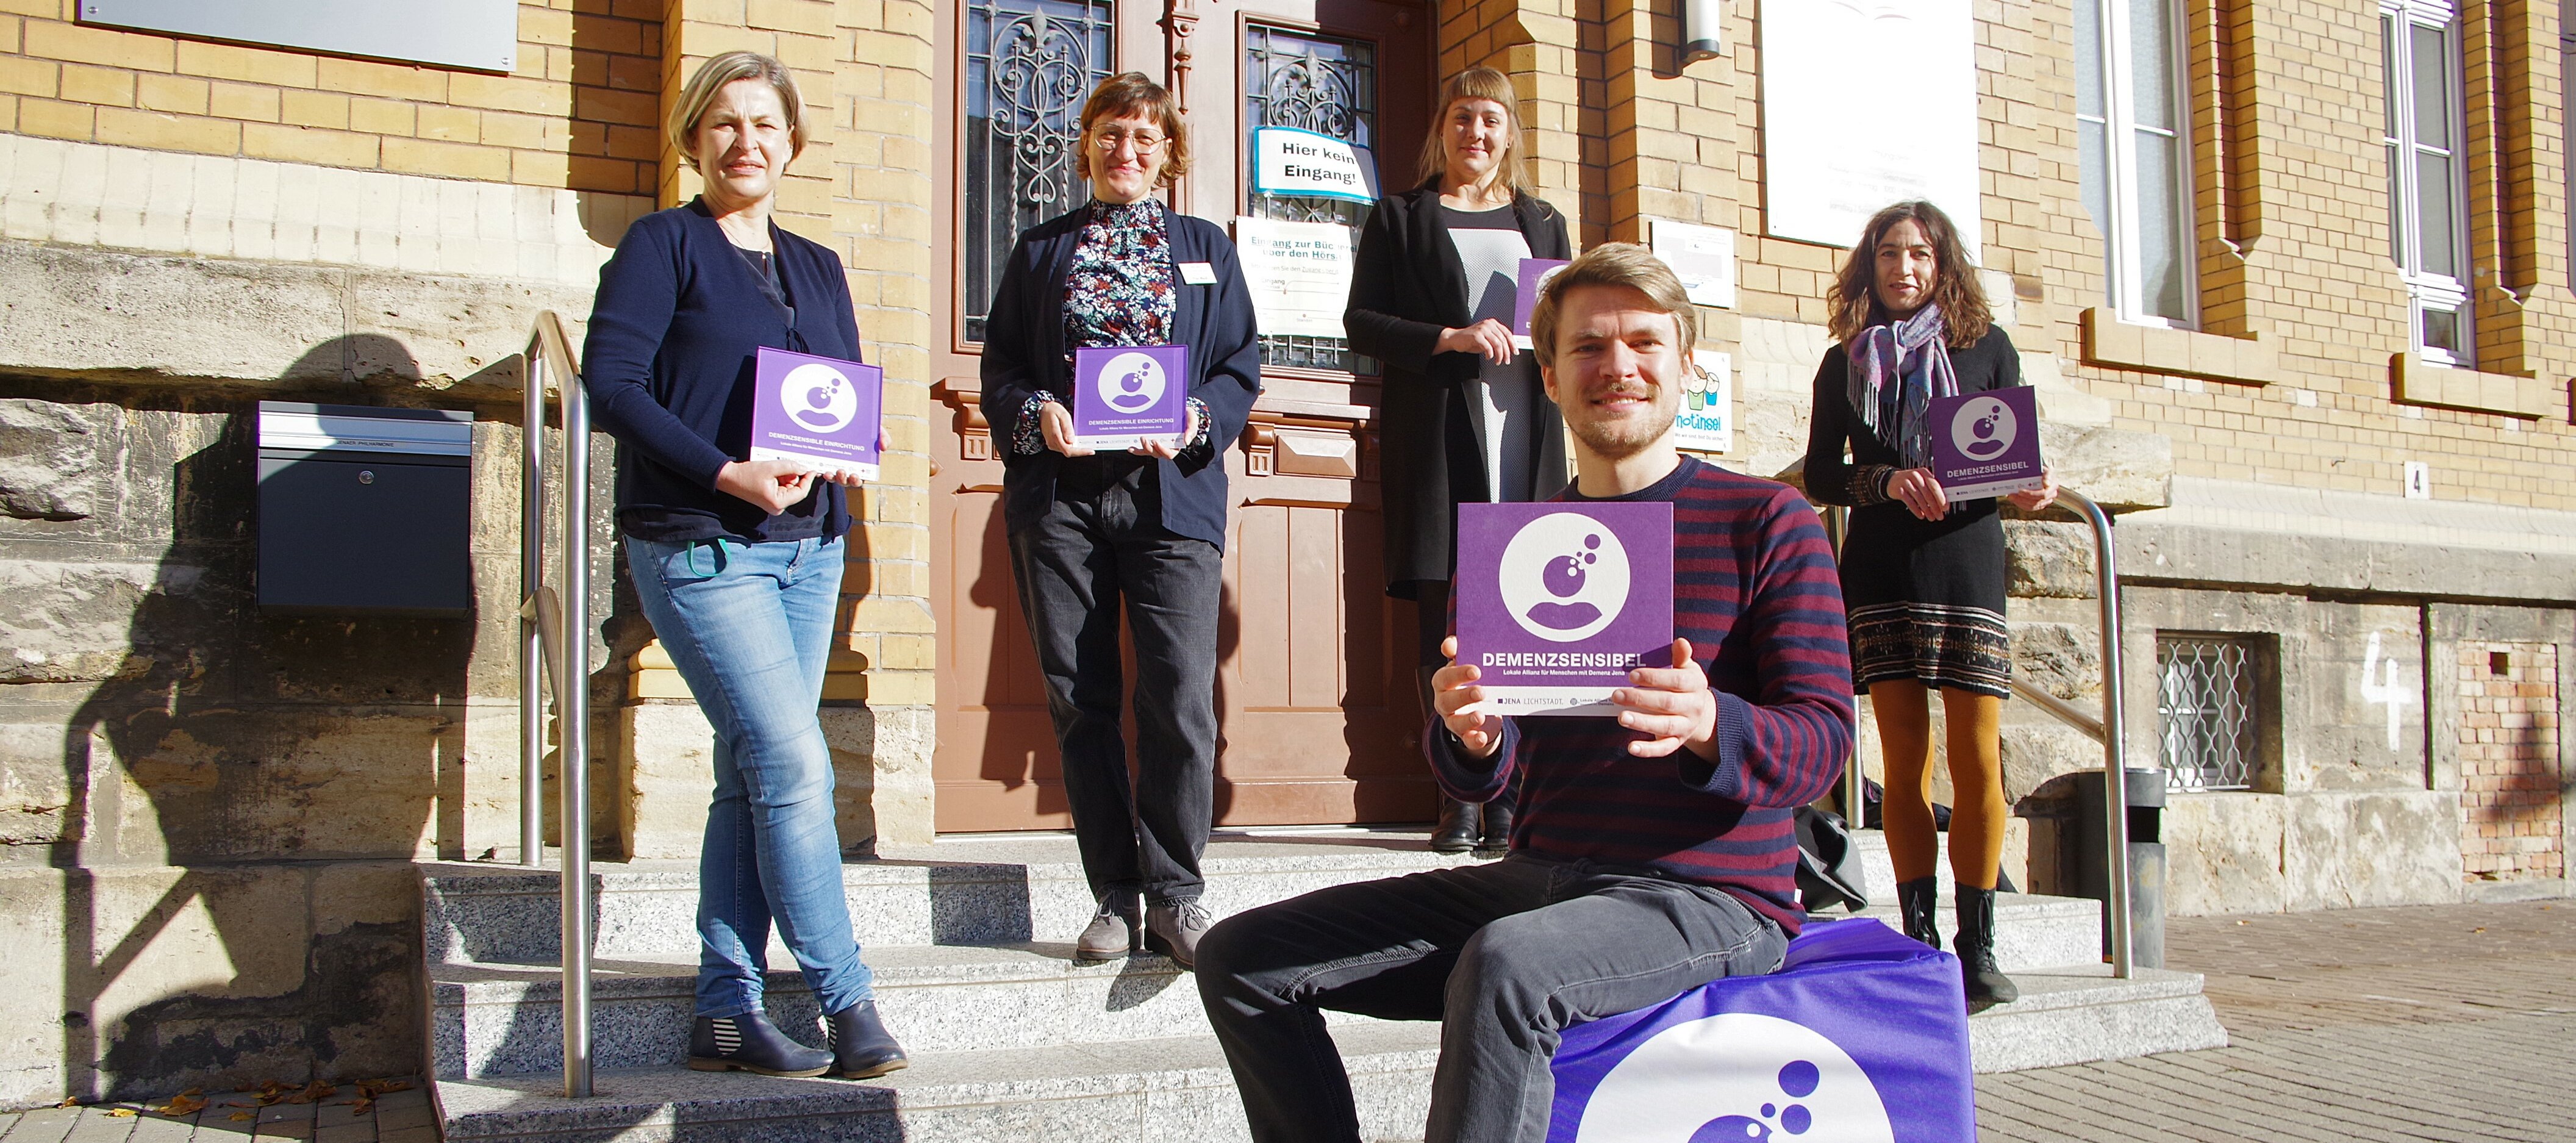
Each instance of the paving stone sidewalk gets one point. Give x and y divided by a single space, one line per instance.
2449 1023
236 1117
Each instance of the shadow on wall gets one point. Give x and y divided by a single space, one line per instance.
246 789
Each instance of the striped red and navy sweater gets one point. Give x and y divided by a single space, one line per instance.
1755 592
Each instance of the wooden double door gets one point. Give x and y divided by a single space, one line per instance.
1318 720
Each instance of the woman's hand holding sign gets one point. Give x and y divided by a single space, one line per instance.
1459 700
1919 491
773 486
1055 422
1169 448
2037 498
1671 706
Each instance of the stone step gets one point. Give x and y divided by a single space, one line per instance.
1165 1090
1177 1088
964 890
489 1019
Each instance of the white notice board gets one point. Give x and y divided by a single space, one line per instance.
1866 103
1299 274
1291 161
1703 257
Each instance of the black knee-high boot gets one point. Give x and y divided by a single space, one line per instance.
1978 973
1914 899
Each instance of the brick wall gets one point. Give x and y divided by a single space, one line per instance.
2509 766
579 112
2290 207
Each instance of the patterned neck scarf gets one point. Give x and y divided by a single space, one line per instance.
1896 371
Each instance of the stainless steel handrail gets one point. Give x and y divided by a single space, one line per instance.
2115 769
2105 730
554 630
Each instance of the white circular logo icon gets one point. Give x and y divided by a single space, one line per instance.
1132 382
1983 428
818 397
1736 1078
1564 577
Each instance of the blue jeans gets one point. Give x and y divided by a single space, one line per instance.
750 628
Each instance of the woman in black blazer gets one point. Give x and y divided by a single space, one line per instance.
1463 419
1144 528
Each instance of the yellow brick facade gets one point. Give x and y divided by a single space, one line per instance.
578 113
2297 376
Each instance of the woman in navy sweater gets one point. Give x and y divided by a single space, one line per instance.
1145 526
737 562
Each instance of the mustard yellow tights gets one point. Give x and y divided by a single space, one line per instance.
1976 780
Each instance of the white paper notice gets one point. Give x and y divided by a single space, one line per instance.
1867 103
1289 161
1703 257
1706 420
1299 274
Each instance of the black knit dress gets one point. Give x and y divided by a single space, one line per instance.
1925 598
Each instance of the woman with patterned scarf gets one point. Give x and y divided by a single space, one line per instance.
1923 577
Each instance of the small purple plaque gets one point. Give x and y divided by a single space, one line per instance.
1558 601
1534 274
818 411
1986 444
1124 393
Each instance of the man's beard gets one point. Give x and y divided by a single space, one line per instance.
1628 437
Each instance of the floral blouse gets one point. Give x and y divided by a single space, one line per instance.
1122 290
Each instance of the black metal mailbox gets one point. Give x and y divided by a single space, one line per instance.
364 509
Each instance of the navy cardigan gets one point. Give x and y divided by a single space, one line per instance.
1024 352
668 366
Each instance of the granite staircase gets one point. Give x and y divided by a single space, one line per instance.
970 940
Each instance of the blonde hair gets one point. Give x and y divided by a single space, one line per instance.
1615 264
682 126
1127 93
1475 83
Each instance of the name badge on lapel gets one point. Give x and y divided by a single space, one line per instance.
1198 273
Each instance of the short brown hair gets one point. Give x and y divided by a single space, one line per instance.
1127 93
682 126
1852 306
1474 83
1614 264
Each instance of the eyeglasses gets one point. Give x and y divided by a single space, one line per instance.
1110 139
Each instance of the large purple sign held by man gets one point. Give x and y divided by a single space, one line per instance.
1653 851
1558 602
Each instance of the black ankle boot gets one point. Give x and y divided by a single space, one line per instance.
861 1047
751 1043
1456 831
1978 975
1914 899
1496 837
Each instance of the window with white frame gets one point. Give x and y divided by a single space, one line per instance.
2132 128
2427 219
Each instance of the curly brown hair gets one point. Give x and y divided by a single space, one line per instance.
1853 302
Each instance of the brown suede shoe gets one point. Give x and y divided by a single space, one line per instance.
1173 929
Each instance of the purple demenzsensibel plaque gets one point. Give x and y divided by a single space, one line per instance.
1558 601
819 411
1986 444
1533 276
1123 393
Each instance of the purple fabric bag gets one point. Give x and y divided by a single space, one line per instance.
1861 1037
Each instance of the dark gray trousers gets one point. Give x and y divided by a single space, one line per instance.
1505 956
1100 550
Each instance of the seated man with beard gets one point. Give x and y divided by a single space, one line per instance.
1653 852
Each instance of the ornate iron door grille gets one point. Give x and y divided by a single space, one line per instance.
1029 66
2205 706
1328 86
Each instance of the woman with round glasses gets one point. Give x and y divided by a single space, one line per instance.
1094 532
1464 418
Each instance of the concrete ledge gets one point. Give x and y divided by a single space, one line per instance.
2245 360
2415 381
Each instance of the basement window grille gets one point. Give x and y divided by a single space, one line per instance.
2205 700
